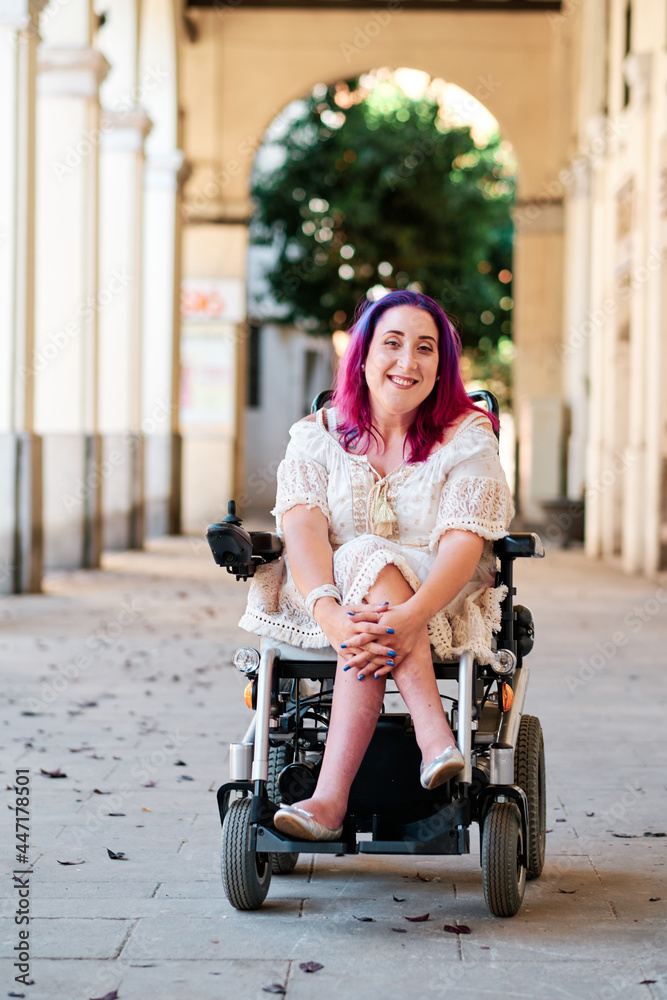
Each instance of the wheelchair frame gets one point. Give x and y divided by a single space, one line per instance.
502 749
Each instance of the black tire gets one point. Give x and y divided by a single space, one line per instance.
503 874
529 774
246 875
280 756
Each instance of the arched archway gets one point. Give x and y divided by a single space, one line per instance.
389 180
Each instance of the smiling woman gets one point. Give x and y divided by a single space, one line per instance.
388 503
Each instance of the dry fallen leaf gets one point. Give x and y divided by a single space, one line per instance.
274 988
364 920
53 774
310 966
567 892
97 791
418 920
399 899
399 930
457 929
70 862
116 856
113 995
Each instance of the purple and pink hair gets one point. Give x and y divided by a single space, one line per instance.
442 408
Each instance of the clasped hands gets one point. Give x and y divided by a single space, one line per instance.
373 638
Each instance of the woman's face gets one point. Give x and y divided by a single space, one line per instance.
402 360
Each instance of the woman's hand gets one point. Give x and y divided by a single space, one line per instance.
353 627
408 631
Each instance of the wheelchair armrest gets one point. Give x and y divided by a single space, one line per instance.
520 544
267 545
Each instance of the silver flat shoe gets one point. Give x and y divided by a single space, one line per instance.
442 768
300 824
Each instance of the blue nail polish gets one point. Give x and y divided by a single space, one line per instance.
383 603
377 676
348 667
390 663
390 631
343 645
352 613
391 653
360 677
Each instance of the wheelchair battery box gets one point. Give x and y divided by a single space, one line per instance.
388 779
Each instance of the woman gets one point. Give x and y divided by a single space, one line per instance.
388 504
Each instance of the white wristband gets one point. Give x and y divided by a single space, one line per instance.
327 590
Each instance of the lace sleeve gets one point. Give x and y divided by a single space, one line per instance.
302 479
475 496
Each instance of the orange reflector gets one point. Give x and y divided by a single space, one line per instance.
508 697
247 694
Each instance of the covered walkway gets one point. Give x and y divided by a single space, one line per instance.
140 729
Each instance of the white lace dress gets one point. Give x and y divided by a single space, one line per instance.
376 520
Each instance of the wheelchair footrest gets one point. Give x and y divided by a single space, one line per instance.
453 842
270 840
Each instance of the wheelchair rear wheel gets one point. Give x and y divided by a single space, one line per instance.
279 757
246 875
529 774
503 873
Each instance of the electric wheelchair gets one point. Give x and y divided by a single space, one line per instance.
501 787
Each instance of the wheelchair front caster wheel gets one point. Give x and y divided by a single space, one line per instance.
246 875
503 873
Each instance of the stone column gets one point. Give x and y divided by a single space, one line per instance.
120 334
161 337
579 323
599 295
538 269
68 299
640 499
20 448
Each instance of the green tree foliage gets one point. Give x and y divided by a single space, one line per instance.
375 190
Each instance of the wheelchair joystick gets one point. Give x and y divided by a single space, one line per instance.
232 516
240 551
231 544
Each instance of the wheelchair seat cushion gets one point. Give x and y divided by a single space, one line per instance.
460 486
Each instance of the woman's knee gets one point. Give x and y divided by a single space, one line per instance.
391 579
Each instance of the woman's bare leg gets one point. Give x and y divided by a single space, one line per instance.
356 706
355 710
414 677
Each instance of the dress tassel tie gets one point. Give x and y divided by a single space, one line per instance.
383 518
